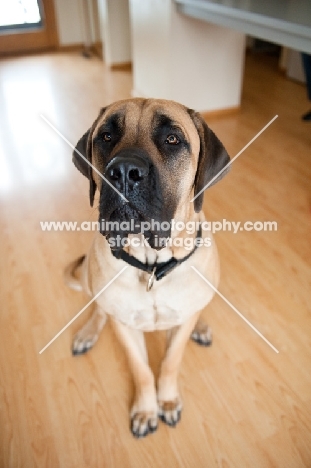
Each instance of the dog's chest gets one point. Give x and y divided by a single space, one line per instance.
170 302
145 311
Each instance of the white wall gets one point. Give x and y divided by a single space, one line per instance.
150 22
176 57
72 22
206 64
90 21
115 31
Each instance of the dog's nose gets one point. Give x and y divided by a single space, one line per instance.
126 170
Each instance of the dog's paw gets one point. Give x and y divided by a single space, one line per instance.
81 344
88 335
202 335
144 423
170 411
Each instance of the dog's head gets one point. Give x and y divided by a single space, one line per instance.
147 157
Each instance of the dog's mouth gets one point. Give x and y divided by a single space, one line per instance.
126 220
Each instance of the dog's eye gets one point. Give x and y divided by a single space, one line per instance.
172 140
106 137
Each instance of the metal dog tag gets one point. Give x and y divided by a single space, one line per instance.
151 280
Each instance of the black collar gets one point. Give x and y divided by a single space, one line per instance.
158 270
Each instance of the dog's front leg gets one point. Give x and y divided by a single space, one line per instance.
87 336
169 401
144 412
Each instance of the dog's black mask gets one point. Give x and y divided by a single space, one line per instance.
138 202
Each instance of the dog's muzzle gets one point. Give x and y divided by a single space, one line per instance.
133 174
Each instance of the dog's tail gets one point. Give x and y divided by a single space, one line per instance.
69 274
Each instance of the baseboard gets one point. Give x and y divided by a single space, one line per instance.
32 51
95 48
126 66
70 48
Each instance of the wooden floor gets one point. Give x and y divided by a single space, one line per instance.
244 405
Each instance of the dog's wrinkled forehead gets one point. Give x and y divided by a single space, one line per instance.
136 121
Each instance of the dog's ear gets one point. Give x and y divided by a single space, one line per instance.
81 154
82 157
212 159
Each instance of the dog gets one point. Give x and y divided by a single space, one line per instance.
148 158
